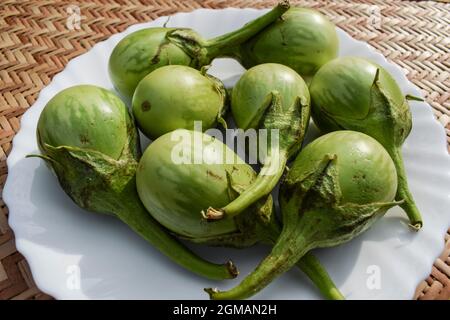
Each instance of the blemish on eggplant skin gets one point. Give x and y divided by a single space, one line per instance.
84 139
213 175
145 106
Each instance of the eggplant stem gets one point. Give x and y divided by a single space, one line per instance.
40 156
403 192
266 180
213 214
290 247
131 211
312 267
410 97
220 46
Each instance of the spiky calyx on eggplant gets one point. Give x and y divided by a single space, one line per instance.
89 140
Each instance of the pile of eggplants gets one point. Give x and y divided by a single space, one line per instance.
353 93
190 186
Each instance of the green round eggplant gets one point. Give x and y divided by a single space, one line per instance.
252 94
302 39
173 97
87 117
87 137
175 183
341 90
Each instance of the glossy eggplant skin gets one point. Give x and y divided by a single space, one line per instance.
183 172
87 117
302 39
366 171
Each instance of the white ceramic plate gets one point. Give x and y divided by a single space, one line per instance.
74 254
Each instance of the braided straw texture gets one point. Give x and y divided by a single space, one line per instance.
36 43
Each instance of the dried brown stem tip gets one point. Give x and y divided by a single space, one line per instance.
213 214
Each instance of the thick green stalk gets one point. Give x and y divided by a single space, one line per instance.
290 247
312 267
221 46
130 210
264 183
403 192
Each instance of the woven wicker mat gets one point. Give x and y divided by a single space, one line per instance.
36 43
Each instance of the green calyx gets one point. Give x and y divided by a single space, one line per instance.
302 39
313 202
274 98
315 206
145 50
356 94
99 179
175 97
92 179
182 172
